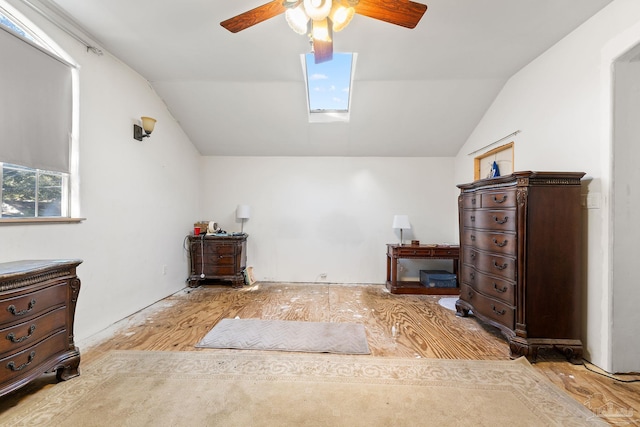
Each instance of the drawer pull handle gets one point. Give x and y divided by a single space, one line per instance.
473 255
12 365
500 267
473 218
13 310
473 238
500 221
499 313
12 337
504 199
472 276
501 245
473 201
470 294
495 286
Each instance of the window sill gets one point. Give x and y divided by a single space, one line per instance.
22 221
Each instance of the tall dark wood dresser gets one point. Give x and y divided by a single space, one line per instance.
520 259
37 310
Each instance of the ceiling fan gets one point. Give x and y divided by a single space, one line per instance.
320 18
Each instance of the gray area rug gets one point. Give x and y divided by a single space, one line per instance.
285 335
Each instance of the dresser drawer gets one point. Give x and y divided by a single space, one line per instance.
27 333
490 263
493 287
500 220
28 305
20 364
496 310
503 243
471 201
498 199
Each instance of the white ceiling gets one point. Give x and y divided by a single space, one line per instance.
417 92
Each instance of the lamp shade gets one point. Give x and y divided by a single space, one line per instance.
148 123
401 222
243 212
297 19
317 9
341 16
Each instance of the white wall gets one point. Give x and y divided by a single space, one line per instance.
561 103
138 198
330 215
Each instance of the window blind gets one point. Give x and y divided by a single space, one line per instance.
35 106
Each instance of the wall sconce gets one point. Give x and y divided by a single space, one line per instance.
148 124
401 222
243 212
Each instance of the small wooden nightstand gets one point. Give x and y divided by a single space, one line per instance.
217 257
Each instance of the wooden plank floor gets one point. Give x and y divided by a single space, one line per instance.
425 329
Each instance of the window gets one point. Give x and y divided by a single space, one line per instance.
32 193
329 87
36 112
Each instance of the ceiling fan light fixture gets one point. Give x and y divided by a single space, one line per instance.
341 16
297 19
317 9
320 30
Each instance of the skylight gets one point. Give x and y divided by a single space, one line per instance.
329 87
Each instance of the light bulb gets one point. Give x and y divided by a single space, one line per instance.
297 19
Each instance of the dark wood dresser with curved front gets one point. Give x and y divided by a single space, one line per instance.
217 257
37 309
520 259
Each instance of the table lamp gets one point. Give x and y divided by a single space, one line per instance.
243 212
401 222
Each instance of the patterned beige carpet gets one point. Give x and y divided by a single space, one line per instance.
287 335
248 388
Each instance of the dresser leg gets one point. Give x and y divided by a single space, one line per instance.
69 368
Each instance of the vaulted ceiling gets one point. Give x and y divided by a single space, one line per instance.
417 92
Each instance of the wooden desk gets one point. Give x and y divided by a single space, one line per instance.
397 252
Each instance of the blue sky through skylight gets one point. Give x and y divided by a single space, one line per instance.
329 82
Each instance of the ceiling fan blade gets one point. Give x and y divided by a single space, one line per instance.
255 16
399 12
322 51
